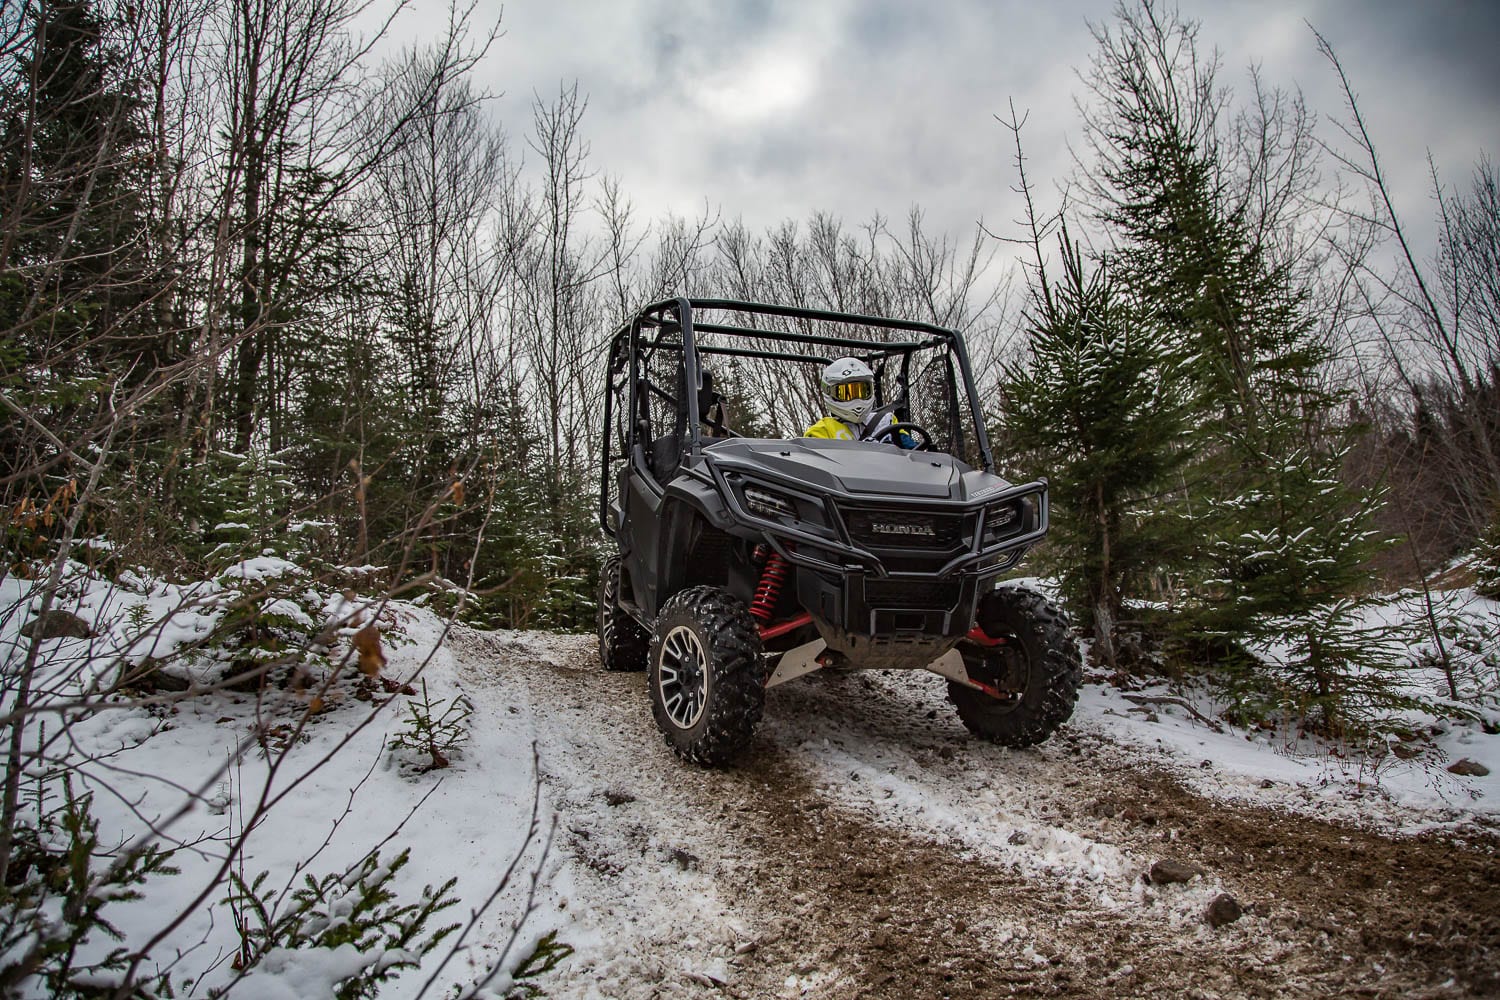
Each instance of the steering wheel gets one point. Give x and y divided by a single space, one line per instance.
890 430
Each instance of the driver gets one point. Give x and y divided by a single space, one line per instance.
847 387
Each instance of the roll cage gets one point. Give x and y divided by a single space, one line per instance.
658 355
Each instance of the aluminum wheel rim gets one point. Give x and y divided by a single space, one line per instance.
682 677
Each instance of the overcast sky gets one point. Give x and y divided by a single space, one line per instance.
769 109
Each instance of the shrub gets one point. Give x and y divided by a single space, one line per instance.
56 900
363 934
435 735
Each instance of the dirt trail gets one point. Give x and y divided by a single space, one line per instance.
1003 874
1342 912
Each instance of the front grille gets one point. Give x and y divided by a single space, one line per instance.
915 595
904 529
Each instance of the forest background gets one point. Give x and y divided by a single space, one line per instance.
262 291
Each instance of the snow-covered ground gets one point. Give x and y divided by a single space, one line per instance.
1303 774
671 881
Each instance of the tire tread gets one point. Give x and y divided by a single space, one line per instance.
623 643
1057 675
737 691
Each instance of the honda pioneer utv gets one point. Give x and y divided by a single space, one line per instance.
746 561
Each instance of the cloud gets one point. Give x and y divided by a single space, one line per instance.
773 109
769 84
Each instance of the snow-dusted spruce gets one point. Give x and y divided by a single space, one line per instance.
342 935
1271 543
1286 601
435 734
63 895
1487 562
1097 401
154 657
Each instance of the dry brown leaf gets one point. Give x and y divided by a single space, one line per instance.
371 658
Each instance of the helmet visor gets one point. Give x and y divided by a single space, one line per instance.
845 392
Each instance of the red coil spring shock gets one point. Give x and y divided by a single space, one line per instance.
769 590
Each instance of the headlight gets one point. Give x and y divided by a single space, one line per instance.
1007 519
768 504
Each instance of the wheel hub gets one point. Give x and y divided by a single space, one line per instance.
683 677
1004 669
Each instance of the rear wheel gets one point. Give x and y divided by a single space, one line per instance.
1036 670
622 642
706 675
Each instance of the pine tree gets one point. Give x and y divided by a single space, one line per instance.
1097 401
1487 562
1280 540
1285 599
72 272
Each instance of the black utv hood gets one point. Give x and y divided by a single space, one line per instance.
853 468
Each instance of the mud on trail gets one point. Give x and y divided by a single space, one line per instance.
869 848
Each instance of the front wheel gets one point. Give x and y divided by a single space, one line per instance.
705 675
1036 670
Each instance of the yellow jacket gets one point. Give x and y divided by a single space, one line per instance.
830 427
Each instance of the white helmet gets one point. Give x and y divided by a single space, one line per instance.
848 387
